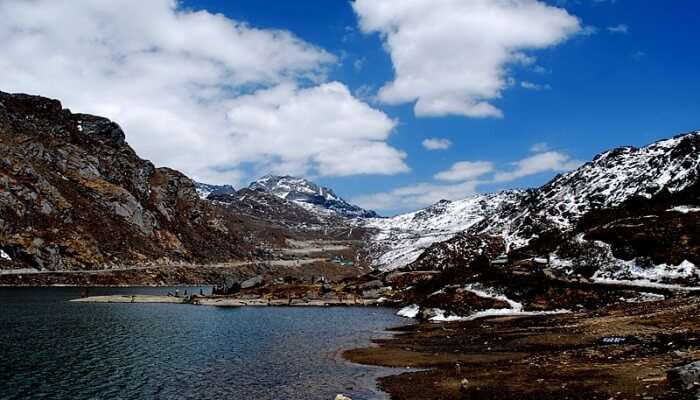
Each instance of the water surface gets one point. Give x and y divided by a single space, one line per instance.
53 349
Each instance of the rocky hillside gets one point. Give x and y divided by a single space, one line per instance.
74 195
399 240
628 219
266 207
519 217
317 199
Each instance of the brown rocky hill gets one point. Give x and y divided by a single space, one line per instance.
75 195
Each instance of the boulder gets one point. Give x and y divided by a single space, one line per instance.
685 377
252 282
371 285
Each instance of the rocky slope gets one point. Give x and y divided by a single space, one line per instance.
400 240
625 221
267 207
74 195
520 217
316 199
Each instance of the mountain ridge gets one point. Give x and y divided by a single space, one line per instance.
309 195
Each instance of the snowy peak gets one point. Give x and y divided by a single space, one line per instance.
309 195
609 180
204 189
617 175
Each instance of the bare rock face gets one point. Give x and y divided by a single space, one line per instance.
74 195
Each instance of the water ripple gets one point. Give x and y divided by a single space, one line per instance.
52 349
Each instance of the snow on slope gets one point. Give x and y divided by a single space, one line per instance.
607 181
401 239
204 189
314 198
615 176
519 216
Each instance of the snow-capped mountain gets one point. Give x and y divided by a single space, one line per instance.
606 182
267 207
307 194
399 240
520 216
204 189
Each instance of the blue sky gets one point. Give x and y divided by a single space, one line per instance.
627 74
607 89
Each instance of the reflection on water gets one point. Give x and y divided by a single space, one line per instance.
53 349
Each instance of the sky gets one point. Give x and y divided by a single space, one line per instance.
395 104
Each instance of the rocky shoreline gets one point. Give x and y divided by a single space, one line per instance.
625 351
222 301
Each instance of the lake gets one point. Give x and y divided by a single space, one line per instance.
53 349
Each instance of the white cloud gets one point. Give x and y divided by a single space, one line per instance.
323 130
534 86
451 56
436 144
465 170
621 28
463 179
539 147
358 64
170 77
588 30
416 196
551 161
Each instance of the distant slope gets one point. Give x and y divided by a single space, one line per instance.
204 189
317 199
399 240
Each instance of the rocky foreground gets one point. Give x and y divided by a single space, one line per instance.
626 351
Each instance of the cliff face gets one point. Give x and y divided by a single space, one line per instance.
74 195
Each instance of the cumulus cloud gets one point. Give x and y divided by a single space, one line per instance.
465 170
436 144
322 129
621 28
173 78
551 161
451 56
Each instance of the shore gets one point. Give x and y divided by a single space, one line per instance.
619 352
222 301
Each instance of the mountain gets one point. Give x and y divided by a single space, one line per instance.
627 221
204 190
74 196
307 194
267 207
399 240
520 217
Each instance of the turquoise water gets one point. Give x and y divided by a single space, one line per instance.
53 349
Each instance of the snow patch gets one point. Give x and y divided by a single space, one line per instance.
685 209
646 297
409 311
